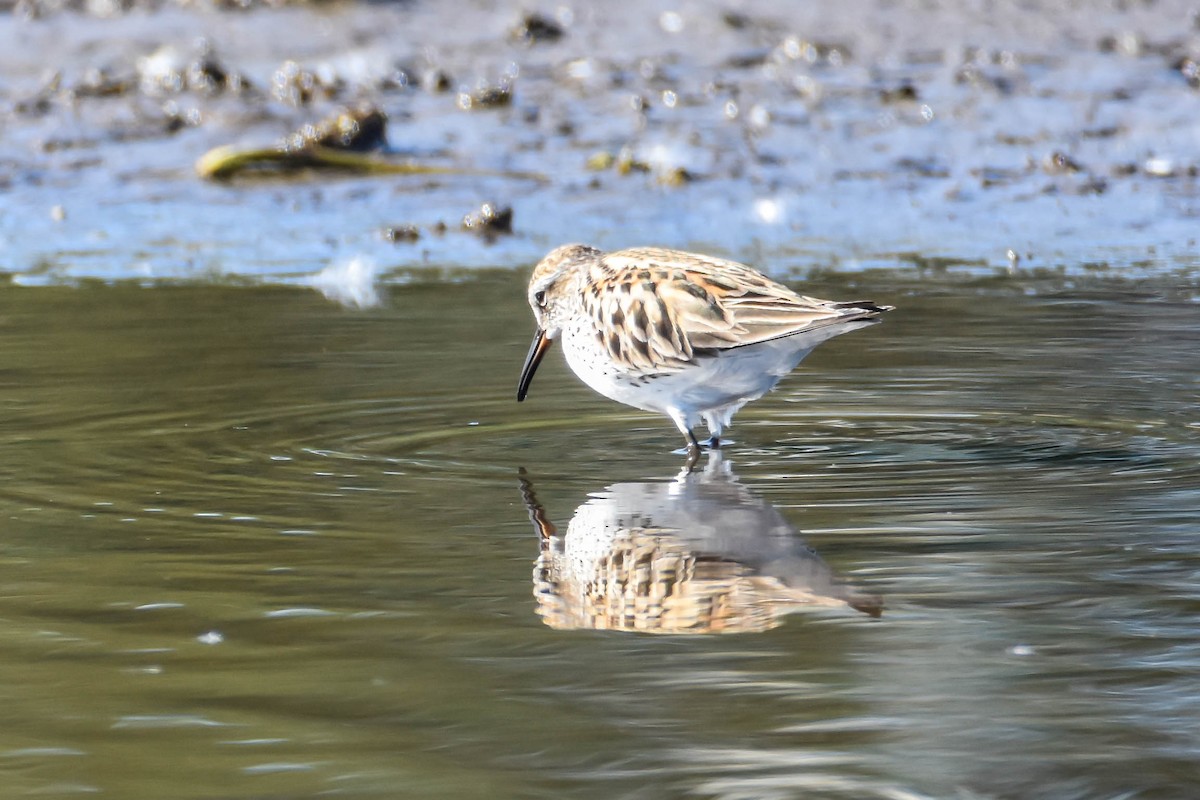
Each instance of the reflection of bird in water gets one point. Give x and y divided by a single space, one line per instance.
700 554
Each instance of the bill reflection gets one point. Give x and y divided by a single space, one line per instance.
699 554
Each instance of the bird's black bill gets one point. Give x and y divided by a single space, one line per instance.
537 351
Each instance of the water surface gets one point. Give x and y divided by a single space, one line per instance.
259 545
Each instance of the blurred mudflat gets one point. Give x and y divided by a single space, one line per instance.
260 545
802 136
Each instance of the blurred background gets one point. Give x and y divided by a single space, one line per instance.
1054 136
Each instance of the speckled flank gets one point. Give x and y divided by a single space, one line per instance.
718 333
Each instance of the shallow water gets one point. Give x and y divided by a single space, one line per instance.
257 545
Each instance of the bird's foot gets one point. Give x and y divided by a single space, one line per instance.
697 446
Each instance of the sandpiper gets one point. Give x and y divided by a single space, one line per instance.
682 334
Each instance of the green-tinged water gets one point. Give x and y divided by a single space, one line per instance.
256 545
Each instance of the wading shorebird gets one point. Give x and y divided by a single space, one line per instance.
682 334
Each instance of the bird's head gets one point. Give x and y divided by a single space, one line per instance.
554 280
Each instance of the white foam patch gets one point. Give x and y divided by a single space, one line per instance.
351 283
769 210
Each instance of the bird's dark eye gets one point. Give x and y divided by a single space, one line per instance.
540 298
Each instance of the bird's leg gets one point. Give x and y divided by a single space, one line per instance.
685 422
713 419
693 450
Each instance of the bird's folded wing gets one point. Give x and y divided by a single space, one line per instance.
660 307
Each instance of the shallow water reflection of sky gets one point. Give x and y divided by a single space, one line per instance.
260 544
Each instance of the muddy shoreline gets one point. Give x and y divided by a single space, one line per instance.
972 139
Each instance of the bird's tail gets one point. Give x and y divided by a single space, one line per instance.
865 305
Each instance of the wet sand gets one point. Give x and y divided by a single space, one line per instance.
956 138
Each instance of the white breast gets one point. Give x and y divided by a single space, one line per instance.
731 377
